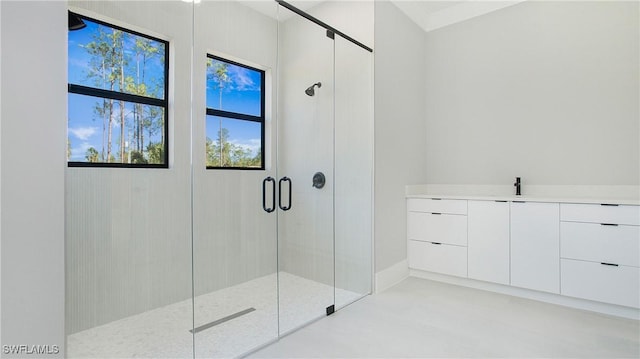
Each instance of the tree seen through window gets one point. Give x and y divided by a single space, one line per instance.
235 115
117 97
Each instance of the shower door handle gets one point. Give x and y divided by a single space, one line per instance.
264 194
284 179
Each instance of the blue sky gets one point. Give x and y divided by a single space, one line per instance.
242 95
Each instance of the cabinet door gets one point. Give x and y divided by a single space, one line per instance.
488 241
535 246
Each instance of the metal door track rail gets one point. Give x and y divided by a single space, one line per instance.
323 24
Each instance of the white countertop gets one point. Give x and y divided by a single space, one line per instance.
530 199
622 195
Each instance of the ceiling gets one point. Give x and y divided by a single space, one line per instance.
421 11
431 15
425 7
428 14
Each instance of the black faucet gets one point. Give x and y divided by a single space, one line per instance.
517 184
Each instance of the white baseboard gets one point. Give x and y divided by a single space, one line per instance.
603 308
391 276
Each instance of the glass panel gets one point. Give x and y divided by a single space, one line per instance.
234 239
111 58
354 172
233 88
233 143
128 231
305 147
102 130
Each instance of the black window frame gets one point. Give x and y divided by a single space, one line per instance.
244 117
131 98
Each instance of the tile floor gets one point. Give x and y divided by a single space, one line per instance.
419 318
164 332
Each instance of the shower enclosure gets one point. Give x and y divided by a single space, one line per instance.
201 260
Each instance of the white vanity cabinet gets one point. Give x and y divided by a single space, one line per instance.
600 253
535 246
488 241
580 251
437 235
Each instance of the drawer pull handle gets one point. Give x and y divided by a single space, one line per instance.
609 264
609 224
518 201
437 214
500 201
436 199
609 204
436 243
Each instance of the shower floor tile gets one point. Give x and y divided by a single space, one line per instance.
164 332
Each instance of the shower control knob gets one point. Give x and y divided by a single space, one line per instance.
319 180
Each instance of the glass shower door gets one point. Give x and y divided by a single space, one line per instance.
127 183
190 257
354 171
234 237
305 171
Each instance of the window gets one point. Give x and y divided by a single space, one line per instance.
118 97
235 115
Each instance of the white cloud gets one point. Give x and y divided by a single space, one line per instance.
83 133
241 79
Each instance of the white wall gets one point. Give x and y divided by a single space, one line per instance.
33 156
399 127
0 173
548 91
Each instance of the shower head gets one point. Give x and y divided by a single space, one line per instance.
310 91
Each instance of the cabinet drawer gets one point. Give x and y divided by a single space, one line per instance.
441 228
595 242
596 213
451 206
594 281
440 258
